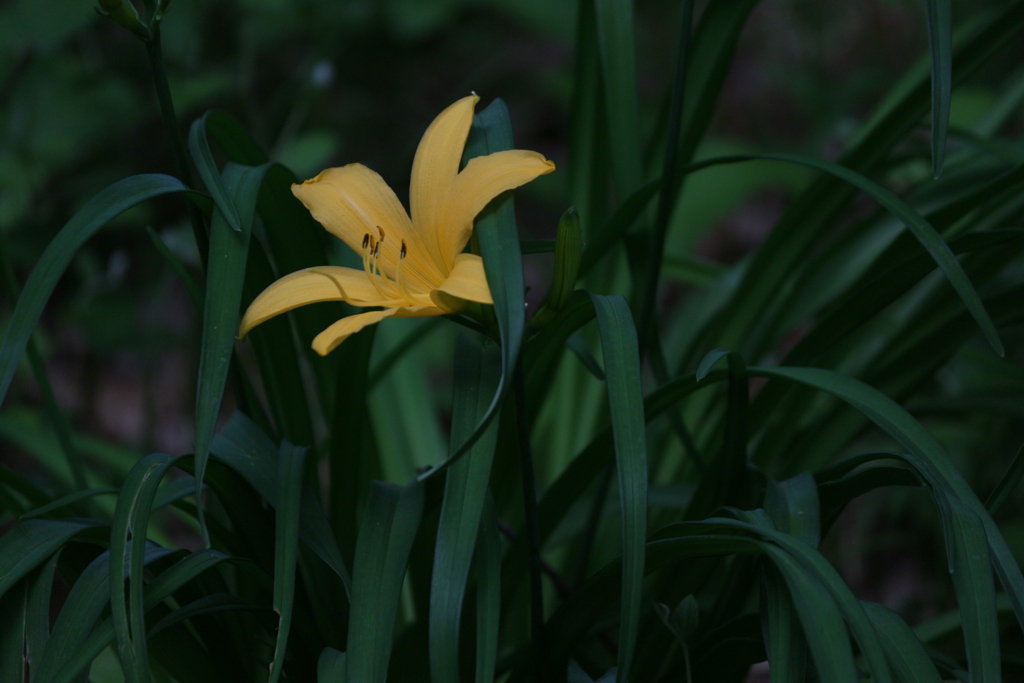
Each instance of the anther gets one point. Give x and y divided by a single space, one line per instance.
401 254
381 231
366 240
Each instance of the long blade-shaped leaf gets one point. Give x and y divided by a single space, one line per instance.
128 531
243 447
940 42
827 637
331 667
784 640
286 546
1007 483
96 213
618 67
14 608
488 593
971 570
625 396
928 457
25 546
918 226
906 655
37 626
199 147
81 610
477 373
164 585
382 552
228 253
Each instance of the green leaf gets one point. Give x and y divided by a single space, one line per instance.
669 189
37 626
352 458
67 500
382 552
186 279
293 237
794 507
823 626
199 147
477 373
162 587
245 449
783 549
331 667
971 570
26 545
712 357
725 480
925 454
836 493
578 345
712 50
625 396
906 655
278 357
785 644
83 607
224 281
1007 484
587 176
407 344
286 546
618 70
208 604
97 212
27 492
617 227
940 42
131 520
487 561
918 226
14 608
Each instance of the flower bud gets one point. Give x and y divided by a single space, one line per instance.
568 252
124 13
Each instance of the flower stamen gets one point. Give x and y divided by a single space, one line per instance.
371 248
399 273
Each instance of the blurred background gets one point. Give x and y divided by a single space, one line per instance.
327 82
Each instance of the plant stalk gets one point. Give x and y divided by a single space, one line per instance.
163 94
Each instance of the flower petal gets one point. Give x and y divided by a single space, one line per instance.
483 179
435 168
308 286
329 339
353 201
467 280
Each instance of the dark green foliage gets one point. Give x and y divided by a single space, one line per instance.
668 494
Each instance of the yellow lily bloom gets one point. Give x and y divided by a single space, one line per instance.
412 267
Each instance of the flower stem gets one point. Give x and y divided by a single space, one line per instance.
163 94
532 532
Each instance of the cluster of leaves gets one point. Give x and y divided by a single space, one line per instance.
678 532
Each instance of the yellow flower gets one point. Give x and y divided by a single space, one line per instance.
411 267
